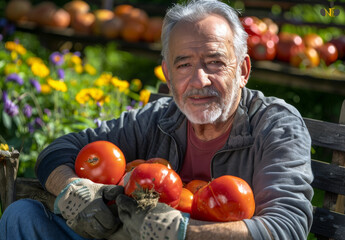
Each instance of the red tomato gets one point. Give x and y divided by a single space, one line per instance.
186 201
166 182
308 58
101 162
161 161
328 52
195 185
289 45
224 199
133 164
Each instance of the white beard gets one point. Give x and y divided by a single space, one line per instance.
218 111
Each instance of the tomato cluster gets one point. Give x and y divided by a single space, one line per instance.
226 198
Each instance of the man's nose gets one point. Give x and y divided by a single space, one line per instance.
200 78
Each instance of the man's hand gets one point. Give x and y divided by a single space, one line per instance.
83 204
159 222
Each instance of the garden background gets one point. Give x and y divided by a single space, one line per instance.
47 92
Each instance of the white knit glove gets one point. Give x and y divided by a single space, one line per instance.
83 204
159 222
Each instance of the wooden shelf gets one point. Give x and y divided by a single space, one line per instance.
313 79
317 79
57 37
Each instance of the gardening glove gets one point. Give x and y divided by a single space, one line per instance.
155 222
120 234
83 204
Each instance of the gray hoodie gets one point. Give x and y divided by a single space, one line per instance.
268 146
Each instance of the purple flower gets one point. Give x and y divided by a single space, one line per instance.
36 84
4 96
98 122
61 73
38 122
27 110
77 53
48 112
31 127
10 108
129 108
35 124
1 37
14 77
56 58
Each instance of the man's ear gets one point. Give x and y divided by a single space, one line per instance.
245 71
166 72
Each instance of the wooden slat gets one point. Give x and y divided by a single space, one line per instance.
328 224
326 134
32 188
155 96
328 177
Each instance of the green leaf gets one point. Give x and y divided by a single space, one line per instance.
7 120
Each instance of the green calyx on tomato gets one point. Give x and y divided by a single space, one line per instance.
154 176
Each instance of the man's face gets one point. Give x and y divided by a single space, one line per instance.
202 71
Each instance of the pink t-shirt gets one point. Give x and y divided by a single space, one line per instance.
197 160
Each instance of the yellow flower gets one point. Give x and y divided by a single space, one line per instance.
78 68
4 147
136 84
32 60
19 62
57 85
40 69
159 73
16 47
122 85
96 93
45 89
90 69
14 55
144 96
91 95
76 60
82 96
103 80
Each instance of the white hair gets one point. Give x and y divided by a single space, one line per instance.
195 10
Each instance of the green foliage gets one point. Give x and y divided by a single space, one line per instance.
311 104
72 91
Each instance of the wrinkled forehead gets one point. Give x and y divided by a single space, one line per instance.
211 31
209 25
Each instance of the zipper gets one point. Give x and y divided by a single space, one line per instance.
223 151
176 149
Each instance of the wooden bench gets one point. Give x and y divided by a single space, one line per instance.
329 219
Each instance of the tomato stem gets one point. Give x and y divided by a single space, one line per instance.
146 198
93 160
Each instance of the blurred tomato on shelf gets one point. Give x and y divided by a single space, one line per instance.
262 37
289 45
328 53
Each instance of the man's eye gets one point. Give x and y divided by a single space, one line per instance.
183 65
215 62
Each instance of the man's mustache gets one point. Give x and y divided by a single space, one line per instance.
203 92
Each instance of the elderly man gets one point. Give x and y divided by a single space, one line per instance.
212 126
